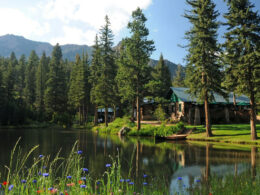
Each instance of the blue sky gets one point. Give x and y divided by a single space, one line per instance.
77 21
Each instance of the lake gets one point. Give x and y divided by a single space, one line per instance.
177 164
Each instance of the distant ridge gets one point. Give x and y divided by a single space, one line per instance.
19 45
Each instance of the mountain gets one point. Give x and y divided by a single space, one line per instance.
19 45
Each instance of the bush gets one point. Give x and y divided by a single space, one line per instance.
159 113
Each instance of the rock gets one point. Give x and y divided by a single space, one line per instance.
123 131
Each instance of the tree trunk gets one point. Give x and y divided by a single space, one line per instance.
207 167
253 162
106 116
133 112
253 116
234 99
207 116
114 116
138 114
96 115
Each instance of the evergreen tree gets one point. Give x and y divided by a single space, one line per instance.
30 79
95 74
21 77
161 82
203 74
41 79
242 57
55 96
106 82
178 80
138 50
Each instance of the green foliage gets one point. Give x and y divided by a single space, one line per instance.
159 113
178 80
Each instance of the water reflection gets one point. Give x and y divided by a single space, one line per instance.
171 162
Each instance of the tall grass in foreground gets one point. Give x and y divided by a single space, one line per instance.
66 176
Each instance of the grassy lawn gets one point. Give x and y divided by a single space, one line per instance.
230 133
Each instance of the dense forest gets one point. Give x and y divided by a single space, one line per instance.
51 89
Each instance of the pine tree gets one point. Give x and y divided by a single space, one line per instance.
138 50
55 96
95 74
30 79
41 79
242 57
106 82
21 77
178 80
203 74
161 81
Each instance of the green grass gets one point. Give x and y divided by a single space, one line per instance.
228 133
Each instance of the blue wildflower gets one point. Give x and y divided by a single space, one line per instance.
80 152
11 187
68 177
44 167
85 169
98 182
45 174
40 156
83 186
144 175
127 180
197 180
131 183
61 193
145 183
51 188
40 173
122 180
83 178
108 165
34 181
179 178
0 185
23 181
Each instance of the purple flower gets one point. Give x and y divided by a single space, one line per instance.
23 181
108 165
145 183
83 178
34 181
45 174
11 187
98 182
69 177
80 151
144 175
85 169
131 183
122 180
40 156
83 186
51 188
179 178
40 173
197 180
0 185
44 167
127 180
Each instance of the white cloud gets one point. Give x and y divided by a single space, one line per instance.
13 21
68 21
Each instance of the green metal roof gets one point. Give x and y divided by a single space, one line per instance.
181 94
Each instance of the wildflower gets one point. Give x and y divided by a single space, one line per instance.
98 182
45 174
40 156
83 186
53 191
0 185
23 181
108 165
39 191
39 173
131 183
85 169
210 193
144 175
70 184
80 182
80 152
145 183
69 177
83 178
51 188
127 180
179 178
34 181
122 180
197 180
5 183
11 187
44 167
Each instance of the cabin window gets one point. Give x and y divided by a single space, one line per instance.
179 107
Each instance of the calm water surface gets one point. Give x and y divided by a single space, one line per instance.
168 161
